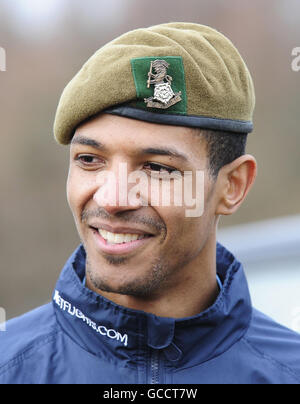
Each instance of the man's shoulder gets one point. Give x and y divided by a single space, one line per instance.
275 343
26 333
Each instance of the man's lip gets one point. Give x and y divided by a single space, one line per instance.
119 249
119 229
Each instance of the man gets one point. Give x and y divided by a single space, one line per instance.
149 296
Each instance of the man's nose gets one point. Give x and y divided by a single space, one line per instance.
112 190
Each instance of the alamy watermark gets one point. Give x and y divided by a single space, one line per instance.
2 319
160 189
2 60
296 60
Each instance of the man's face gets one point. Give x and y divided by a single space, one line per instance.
173 245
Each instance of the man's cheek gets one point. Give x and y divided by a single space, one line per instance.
74 198
69 188
71 198
192 232
76 189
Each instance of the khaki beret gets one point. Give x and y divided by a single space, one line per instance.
180 74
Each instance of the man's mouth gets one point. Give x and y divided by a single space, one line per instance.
119 243
120 238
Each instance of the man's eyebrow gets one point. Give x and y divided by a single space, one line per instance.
86 141
79 139
164 152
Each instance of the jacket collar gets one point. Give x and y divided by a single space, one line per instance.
117 333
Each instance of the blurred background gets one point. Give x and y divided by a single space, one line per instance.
46 42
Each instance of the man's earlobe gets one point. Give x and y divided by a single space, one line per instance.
235 181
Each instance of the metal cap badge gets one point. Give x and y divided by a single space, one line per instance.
164 97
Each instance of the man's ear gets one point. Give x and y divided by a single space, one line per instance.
234 182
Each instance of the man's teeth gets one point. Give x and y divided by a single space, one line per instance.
118 238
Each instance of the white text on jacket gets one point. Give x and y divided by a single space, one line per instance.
101 329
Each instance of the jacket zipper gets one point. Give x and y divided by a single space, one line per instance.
154 367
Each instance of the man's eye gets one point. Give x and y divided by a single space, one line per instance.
87 159
157 168
160 172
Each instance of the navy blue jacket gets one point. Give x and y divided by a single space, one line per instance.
81 337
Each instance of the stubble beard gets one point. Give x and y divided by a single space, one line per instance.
145 286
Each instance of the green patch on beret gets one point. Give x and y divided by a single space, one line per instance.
140 69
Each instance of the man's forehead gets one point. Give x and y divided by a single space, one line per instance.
107 132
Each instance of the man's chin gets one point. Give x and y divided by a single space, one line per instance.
115 260
137 289
118 278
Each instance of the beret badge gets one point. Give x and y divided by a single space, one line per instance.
164 96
